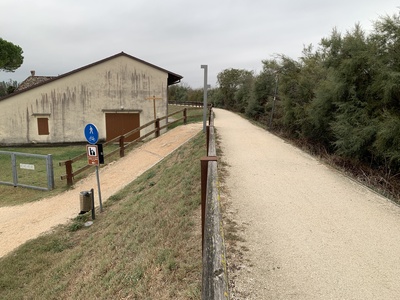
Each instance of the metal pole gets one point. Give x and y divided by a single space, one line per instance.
93 208
14 168
205 67
273 103
98 187
50 172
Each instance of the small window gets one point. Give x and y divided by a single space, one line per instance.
43 126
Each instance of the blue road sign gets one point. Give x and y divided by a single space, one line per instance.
91 133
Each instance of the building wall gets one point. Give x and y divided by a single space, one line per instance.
71 102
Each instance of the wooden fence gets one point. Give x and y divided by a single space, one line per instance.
215 278
70 174
186 103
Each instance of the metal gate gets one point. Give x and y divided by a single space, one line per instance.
27 170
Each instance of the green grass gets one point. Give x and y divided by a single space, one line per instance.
18 195
194 114
145 245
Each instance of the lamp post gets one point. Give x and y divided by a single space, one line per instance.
205 67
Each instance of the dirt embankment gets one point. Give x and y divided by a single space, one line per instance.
21 223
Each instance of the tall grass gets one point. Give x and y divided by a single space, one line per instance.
146 244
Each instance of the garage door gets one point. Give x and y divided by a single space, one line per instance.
121 123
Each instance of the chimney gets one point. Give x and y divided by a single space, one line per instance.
33 72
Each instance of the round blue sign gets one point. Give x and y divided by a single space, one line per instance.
91 133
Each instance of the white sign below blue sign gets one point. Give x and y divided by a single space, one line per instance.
91 133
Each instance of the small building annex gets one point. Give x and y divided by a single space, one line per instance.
112 93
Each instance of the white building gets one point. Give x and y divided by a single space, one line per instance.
113 93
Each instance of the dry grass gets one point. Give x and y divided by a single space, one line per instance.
146 245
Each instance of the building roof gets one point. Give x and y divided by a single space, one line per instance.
34 81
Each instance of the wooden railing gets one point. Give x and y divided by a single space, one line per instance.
70 174
215 278
186 103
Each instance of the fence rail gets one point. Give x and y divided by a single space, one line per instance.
215 278
70 174
186 103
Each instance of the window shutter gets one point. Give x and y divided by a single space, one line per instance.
43 126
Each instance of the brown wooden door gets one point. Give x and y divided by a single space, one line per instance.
120 123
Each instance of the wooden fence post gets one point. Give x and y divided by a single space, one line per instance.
185 115
204 172
157 125
207 137
68 169
121 146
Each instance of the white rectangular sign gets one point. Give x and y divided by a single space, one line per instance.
27 166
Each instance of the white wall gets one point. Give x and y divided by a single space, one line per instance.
83 97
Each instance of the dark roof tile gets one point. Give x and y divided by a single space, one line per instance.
32 81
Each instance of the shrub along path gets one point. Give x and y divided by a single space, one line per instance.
303 230
21 223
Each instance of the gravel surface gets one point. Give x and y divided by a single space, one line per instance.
21 223
307 231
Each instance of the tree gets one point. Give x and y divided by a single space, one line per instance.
7 87
244 93
10 56
216 97
195 95
354 130
387 142
183 93
230 81
178 92
385 42
263 91
357 111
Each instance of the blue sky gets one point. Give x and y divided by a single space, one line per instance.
177 35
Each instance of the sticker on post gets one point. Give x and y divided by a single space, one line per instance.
27 166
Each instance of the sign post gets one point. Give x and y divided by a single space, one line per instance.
92 151
154 98
205 105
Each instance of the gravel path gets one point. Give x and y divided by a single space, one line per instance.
21 223
309 232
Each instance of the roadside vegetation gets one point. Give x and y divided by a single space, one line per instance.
193 114
339 101
145 245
